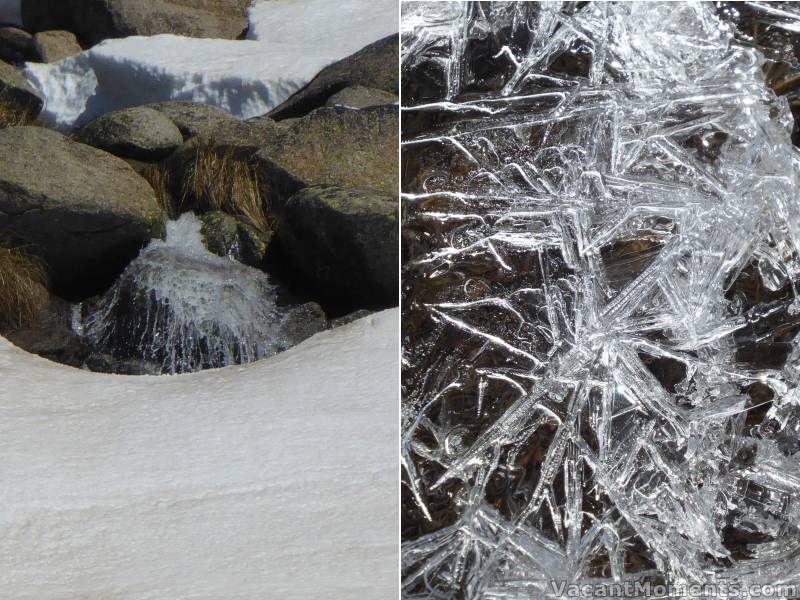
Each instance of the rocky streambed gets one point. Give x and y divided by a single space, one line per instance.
174 236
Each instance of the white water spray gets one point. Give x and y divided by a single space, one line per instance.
184 308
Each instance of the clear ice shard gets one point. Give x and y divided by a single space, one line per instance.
601 376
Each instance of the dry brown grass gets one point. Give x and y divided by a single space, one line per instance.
159 180
23 288
218 180
11 115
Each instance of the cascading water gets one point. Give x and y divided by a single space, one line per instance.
184 308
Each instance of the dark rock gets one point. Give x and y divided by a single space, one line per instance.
374 66
16 45
361 97
138 133
305 321
413 244
333 146
81 210
46 15
17 97
349 318
52 46
344 241
97 20
51 336
225 235
103 362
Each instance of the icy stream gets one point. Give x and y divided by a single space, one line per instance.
184 308
601 380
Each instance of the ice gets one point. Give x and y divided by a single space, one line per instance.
290 42
183 308
10 13
270 480
600 311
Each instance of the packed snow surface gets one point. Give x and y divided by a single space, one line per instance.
273 480
289 42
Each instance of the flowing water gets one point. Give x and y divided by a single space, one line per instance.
183 308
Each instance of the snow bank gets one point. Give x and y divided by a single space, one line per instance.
273 480
10 13
291 41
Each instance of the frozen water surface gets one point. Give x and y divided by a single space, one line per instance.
601 376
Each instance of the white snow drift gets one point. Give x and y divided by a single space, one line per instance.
273 480
290 42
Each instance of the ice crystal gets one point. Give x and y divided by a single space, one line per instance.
601 380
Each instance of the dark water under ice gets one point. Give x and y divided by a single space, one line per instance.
600 367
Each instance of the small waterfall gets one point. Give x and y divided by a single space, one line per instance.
184 308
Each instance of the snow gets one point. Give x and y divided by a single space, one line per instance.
290 42
273 480
10 13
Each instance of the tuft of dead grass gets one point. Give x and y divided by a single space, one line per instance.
159 180
23 288
218 180
12 116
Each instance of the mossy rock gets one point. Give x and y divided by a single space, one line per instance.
225 235
358 97
354 149
138 133
213 124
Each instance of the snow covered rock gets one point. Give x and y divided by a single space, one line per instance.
374 66
52 46
290 41
139 133
344 242
273 480
82 210
97 20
